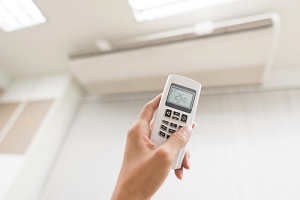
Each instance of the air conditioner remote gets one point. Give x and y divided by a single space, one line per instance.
177 108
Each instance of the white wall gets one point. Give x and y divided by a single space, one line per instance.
288 77
4 79
246 147
23 175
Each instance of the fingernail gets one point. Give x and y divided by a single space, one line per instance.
194 125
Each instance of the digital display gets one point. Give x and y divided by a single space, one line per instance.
181 96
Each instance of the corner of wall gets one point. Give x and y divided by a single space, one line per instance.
44 148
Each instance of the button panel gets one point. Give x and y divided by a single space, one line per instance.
163 127
168 113
176 113
183 118
165 122
173 121
171 131
162 134
173 125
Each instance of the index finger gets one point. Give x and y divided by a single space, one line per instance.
149 109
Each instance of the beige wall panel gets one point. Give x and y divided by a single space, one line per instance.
6 110
19 137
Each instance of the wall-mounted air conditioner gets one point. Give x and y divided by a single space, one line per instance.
231 52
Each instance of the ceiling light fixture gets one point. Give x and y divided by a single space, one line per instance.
145 10
19 14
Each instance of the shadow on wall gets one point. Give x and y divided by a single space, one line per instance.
17 139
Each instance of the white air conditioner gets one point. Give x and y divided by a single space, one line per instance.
231 52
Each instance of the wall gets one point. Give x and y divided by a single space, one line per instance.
23 173
4 80
246 147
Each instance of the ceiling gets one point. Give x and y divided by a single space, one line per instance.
74 25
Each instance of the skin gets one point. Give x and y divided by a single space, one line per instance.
146 165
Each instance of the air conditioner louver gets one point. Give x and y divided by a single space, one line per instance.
233 52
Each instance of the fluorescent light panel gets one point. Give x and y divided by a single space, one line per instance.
19 14
145 10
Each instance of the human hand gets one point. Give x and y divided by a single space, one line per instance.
146 165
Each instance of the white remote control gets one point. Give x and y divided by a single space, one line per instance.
177 108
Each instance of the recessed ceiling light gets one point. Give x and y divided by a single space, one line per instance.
145 10
19 14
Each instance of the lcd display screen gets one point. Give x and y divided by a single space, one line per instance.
181 96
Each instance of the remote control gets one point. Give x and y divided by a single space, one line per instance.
177 108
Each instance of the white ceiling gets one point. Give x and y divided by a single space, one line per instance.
74 25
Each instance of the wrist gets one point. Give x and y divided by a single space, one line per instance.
124 192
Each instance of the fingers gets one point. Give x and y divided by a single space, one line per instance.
185 164
194 125
178 140
179 173
149 109
186 160
151 123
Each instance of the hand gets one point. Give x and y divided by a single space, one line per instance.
146 165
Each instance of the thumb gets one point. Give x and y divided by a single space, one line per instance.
178 140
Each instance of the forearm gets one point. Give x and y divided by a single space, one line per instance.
124 192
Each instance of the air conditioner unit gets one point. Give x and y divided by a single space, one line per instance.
232 52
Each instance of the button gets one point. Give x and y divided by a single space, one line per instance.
171 131
173 125
180 127
168 113
168 136
176 113
176 118
183 118
163 127
165 122
162 134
